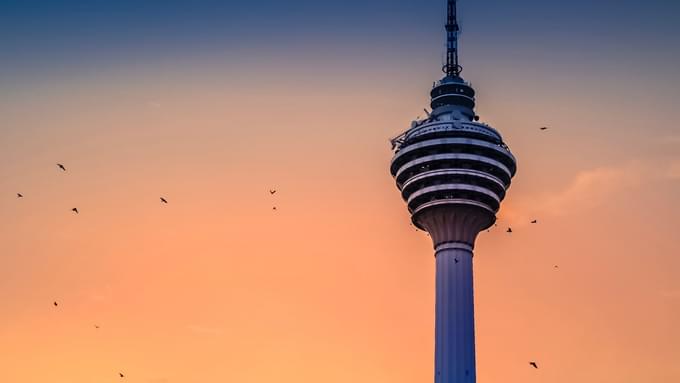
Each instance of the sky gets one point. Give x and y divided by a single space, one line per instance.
210 104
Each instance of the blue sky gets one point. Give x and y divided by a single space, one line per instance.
34 35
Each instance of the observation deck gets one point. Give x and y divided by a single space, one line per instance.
449 160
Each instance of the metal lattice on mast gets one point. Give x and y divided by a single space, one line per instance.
452 67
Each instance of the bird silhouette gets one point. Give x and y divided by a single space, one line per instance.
544 128
19 195
456 260
557 267
534 365
274 208
164 200
121 374
272 191
509 230
75 210
55 304
534 221
61 167
96 326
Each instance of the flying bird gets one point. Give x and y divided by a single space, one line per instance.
544 128
55 304
121 374
456 260
272 192
534 365
509 230
274 208
96 326
534 221
75 210
19 195
164 200
557 267
61 167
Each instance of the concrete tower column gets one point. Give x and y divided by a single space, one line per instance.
454 318
453 230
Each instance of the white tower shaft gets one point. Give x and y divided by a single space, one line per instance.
454 313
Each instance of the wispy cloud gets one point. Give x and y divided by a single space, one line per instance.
673 139
590 189
670 293
673 170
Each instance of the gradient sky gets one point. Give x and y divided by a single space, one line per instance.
211 103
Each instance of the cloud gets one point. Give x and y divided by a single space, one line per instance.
673 170
593 187
670 139
587 190
670 293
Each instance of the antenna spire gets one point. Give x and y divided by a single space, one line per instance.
452 68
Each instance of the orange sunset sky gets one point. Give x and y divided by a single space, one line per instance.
334 285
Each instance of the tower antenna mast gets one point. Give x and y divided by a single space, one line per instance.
452 67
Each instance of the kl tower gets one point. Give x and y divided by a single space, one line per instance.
453 172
